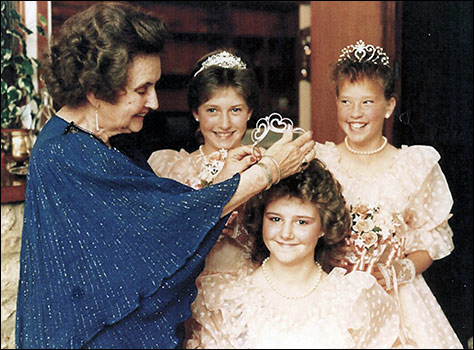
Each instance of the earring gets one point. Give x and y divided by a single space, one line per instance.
96 120
387 115
196 119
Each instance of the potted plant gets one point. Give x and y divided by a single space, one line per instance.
18 69
20 99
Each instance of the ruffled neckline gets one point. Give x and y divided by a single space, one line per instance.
339 312
256 299
333 156
410 167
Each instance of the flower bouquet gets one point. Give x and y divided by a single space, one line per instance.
373 238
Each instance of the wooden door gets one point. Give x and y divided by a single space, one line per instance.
334 25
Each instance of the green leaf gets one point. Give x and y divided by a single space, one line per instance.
6 119
25 28
14 111
41 30
17 67
13 93
28 67
16 17
6 55
42 20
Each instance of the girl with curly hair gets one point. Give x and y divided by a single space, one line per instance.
289 301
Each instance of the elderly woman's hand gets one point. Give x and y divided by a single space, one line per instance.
292 155
284 158
238 160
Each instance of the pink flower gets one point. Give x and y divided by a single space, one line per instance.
361 210
363 226
369 239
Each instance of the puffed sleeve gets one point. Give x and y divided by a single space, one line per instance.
429 208
179 166
368 313
218 312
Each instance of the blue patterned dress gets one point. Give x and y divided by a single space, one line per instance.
110 252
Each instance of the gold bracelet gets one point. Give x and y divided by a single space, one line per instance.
277 165
269 174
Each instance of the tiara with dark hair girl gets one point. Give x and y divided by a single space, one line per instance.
222 59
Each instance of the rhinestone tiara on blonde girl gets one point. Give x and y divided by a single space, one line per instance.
222 59
360 52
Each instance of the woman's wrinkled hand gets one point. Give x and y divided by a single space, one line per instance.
292 155
238 160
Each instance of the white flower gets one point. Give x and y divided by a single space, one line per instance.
211 166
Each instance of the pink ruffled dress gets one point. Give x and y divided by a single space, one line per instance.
415 187
180 166
344 311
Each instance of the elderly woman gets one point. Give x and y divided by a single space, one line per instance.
110 251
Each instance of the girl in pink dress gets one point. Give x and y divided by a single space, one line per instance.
406 184
289 302
223 93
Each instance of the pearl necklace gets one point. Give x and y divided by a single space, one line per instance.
366 152
276 290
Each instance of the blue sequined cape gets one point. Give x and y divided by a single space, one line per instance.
110 252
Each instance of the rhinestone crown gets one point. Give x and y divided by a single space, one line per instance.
222 59
360 52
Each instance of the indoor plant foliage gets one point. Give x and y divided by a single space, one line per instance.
19 95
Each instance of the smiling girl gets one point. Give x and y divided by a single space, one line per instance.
289 302
404 182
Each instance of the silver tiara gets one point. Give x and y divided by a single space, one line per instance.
274 122
222 59
360 52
